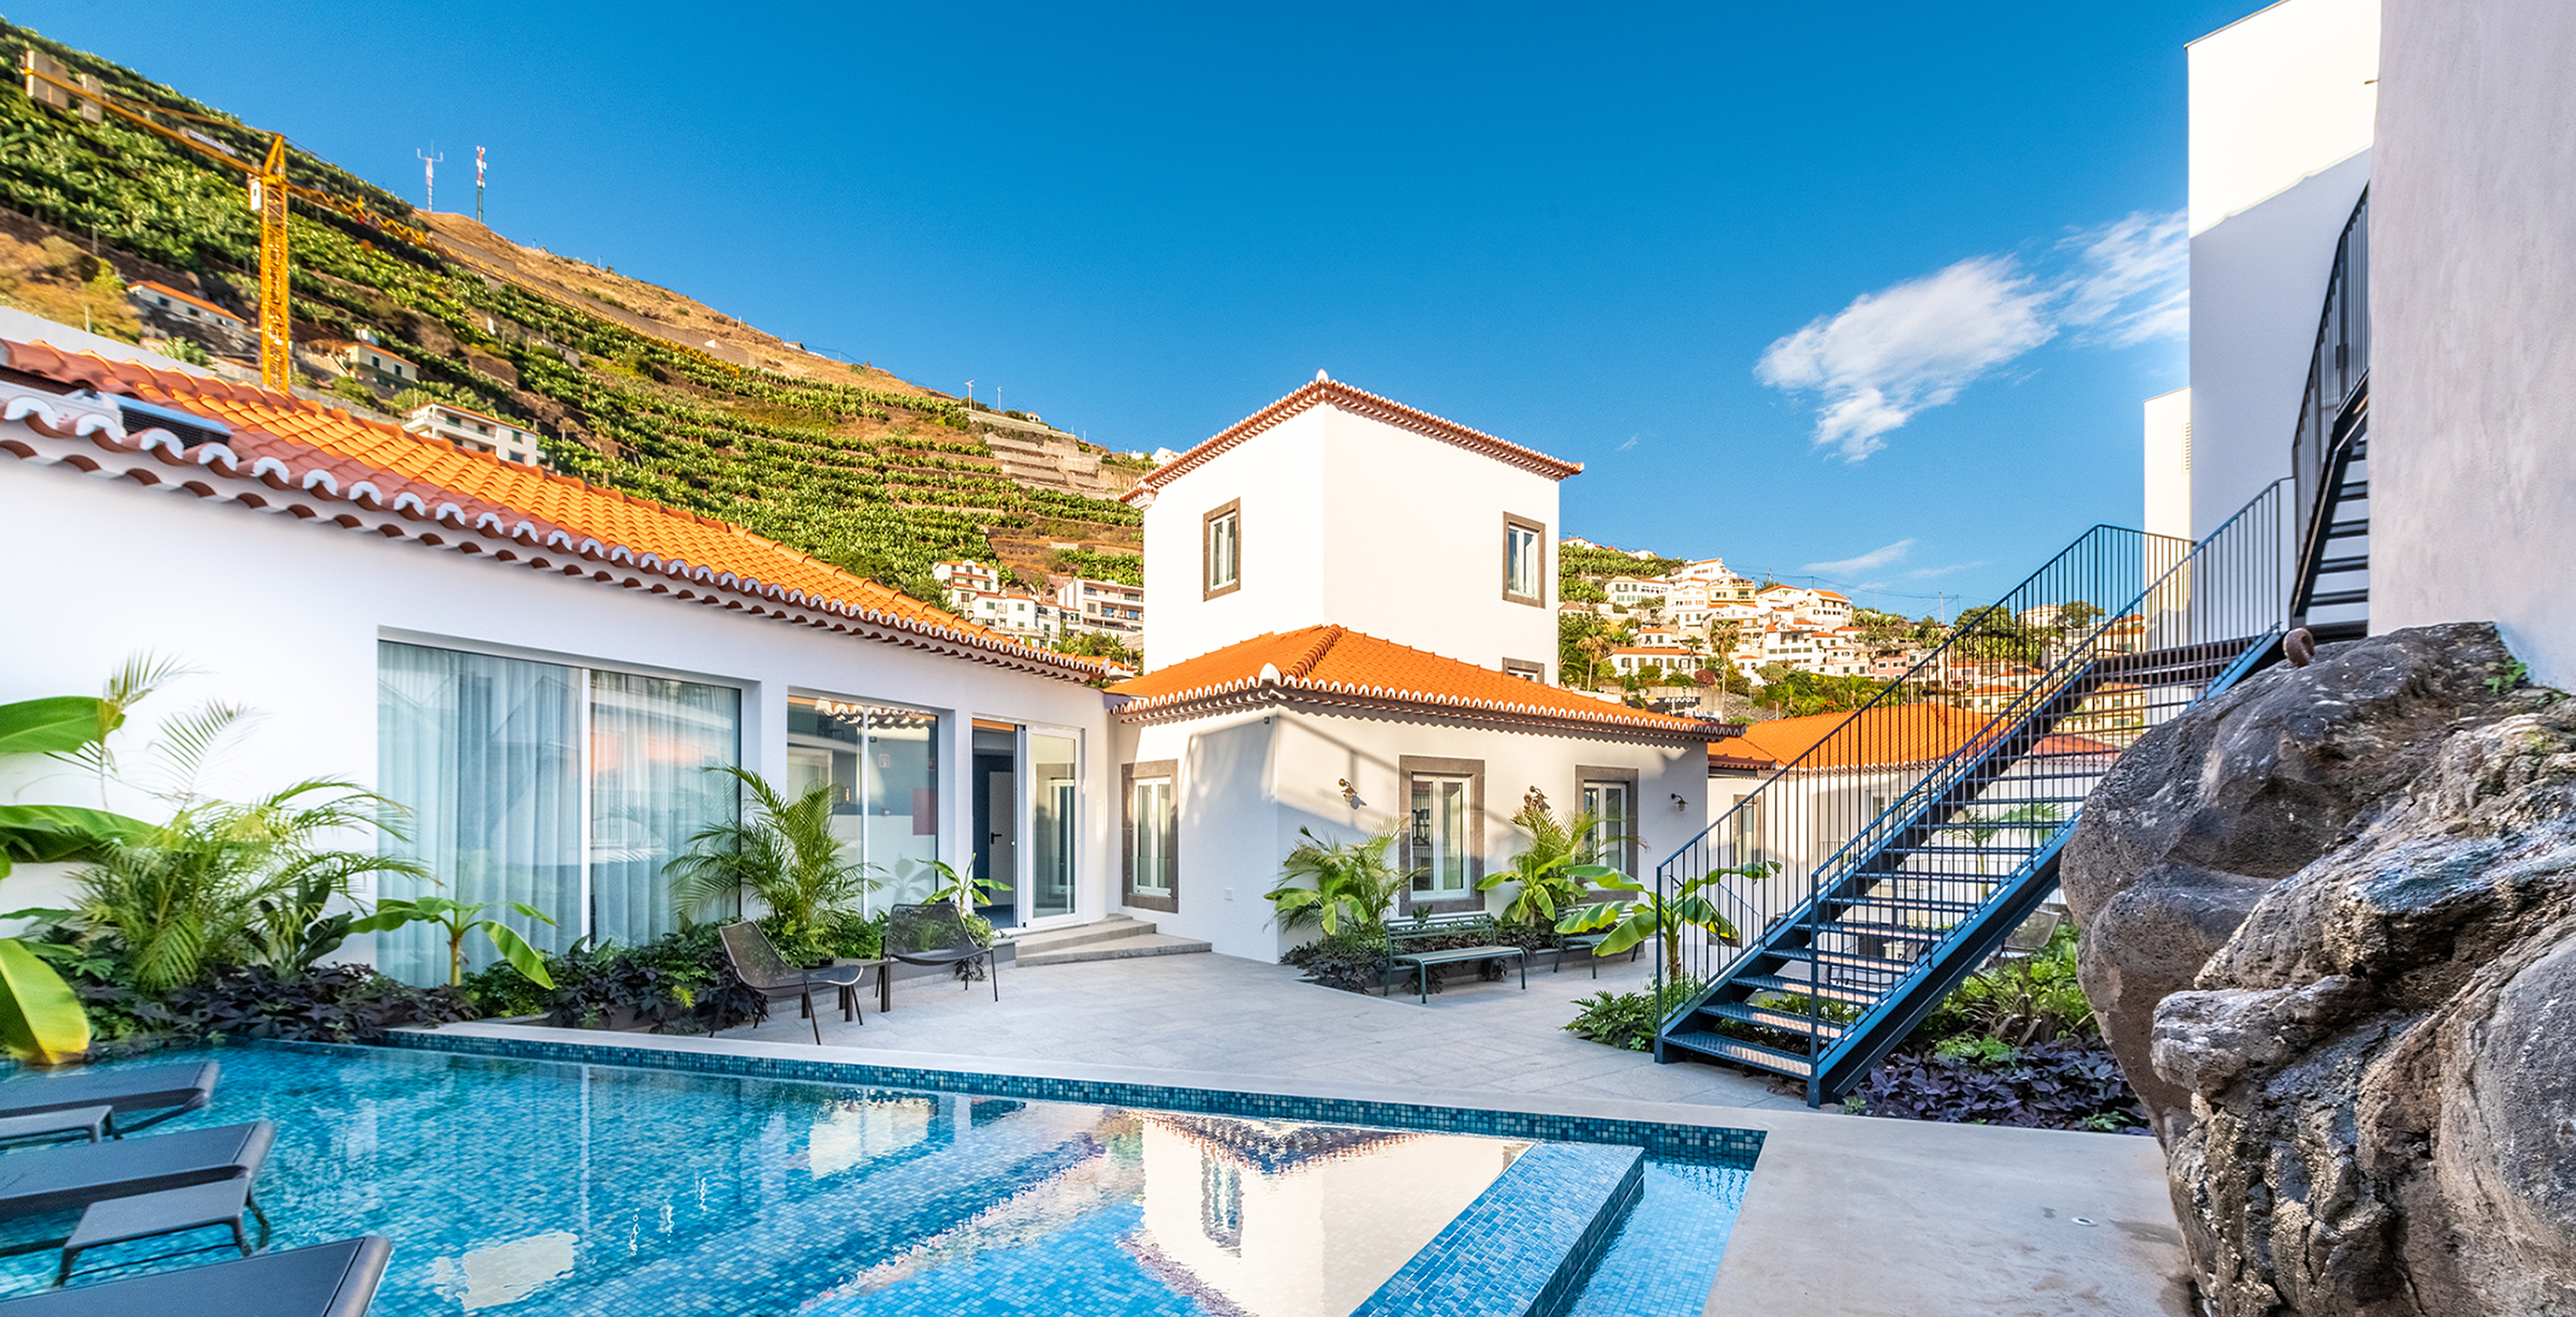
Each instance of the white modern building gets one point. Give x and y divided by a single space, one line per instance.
1293 693
2417 336
542 672
476 432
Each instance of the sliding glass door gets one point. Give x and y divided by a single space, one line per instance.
883 763
564 788
1055 806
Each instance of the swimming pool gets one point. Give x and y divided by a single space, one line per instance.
514 1185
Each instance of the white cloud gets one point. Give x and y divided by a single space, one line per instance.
1632 442
1914 345
1926 573
2134 284
1889 355
1870 561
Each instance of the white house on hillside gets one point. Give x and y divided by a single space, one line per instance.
1293 689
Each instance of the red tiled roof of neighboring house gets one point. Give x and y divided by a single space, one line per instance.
375 471
1336 665
1883 734
190 298
1333 393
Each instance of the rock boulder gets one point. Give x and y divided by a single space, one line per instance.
2368 1087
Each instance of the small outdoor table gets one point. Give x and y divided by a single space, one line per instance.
1422 961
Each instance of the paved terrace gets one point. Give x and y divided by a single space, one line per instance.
1844 1216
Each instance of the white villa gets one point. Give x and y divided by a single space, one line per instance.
1293 690
542 671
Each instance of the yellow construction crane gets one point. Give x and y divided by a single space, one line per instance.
49 83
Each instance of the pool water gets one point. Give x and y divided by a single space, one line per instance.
537 1187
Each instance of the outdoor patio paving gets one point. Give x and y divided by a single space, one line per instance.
1223 1014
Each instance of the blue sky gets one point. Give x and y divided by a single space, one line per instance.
1864 292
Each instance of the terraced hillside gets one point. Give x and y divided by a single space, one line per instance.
634 386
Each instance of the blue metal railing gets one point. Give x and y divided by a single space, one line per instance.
1981 753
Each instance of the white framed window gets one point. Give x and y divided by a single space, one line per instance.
1440 842
1153 806
1613 807
1524 561
1222 544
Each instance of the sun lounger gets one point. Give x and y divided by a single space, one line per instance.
326 1280
53 1179
169 1090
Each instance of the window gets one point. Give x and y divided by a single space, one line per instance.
1525 670
1609 795
562 788
883 763
1444 835
1153 835
1223 545
1524 561
1055 823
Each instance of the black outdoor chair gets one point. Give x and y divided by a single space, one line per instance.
168 1090
757 963
54 1179
936 934
325 1280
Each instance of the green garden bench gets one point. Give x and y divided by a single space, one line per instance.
1421 962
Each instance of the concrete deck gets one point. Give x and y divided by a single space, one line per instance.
1845 1216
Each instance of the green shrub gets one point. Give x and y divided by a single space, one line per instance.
1629 1019
1353 959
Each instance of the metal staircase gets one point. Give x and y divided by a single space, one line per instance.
2330 452
1862 880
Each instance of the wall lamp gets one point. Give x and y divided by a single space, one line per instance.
1350 794
1679 803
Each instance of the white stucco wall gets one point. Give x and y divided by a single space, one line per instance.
2167 420
2281 106
283 616
2473 323
1250 781
1353 522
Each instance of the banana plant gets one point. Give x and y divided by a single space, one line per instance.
459 918
1631 920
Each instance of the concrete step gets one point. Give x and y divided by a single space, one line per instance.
1033 942
1116 948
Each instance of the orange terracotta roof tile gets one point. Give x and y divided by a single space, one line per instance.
1333 393
313 447
1330 661
1879 735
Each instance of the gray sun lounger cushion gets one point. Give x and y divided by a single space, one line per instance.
167 1089
51 1179
326 1280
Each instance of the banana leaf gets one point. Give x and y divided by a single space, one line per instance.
40 1020
53 725
35 834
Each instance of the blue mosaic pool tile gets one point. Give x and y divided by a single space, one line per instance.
1707 1143
1527 1244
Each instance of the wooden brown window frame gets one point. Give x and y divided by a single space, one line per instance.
1128 776
1537 529
1408 767
1207 565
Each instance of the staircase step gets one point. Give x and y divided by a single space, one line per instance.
1925 903
1125 948
1773 1018
1042 941
2334 598
1802 988
2345 530
2358 562
1738 1050
1892 932
1843 959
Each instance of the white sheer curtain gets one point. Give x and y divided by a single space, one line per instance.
651 741
483 751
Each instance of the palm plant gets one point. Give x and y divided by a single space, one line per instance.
1553 872
1351 883
218 885
782 851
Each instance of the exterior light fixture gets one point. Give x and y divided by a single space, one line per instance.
1350 794
1679 804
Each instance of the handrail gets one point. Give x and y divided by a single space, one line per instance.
2335 398
2220 592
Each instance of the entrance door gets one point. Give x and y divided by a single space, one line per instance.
997 822
1055 799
